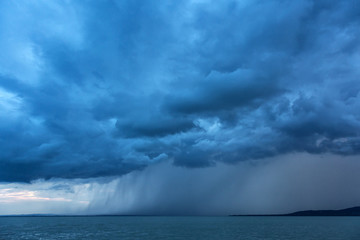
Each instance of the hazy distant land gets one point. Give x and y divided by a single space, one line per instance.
354 211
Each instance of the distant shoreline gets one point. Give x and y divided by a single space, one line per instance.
347 212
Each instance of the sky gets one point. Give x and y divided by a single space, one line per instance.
179 107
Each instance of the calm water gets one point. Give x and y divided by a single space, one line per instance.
342 228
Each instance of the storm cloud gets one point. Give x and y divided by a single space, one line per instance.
280 184
97 89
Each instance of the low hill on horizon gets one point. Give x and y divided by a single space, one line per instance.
353 211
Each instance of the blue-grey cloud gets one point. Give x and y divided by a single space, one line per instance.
91 89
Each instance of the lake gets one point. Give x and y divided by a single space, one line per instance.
144 228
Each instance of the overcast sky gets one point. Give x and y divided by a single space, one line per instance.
118 103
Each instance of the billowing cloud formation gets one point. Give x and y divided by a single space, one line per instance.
91 89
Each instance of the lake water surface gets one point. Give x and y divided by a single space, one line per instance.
118 227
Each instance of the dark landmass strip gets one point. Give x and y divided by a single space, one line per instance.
354 211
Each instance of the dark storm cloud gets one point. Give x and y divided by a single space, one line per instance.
282 184
92 89
242 88
152 127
